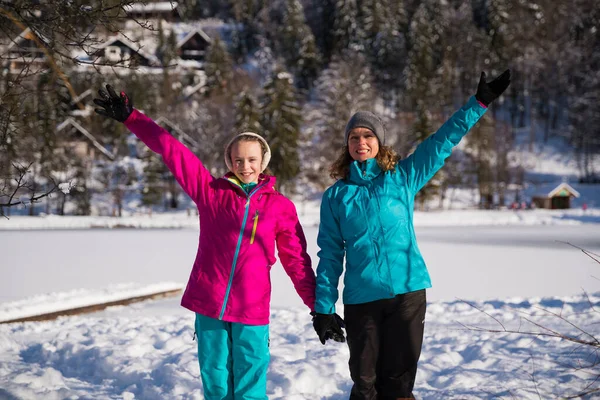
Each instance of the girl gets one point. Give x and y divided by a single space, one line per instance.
367 217
242 219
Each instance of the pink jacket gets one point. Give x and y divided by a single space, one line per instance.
230 279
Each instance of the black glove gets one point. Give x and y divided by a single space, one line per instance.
114 106
490 91
329 326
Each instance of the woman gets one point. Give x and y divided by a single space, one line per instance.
242 219
367 217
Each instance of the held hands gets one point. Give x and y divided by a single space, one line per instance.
329 326
114 106
490 91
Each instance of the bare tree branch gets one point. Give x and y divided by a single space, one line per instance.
21 182
582 339
586 252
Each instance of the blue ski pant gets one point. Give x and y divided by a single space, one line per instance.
234 359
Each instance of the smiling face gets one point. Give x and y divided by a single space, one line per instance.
362 144
246 159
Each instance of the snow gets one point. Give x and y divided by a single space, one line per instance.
491 270
151 7
60 301
65 187
309 216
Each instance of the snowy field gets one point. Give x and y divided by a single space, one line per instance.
488 269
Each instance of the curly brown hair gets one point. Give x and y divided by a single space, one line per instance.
386 159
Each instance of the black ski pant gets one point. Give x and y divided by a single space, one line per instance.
385 338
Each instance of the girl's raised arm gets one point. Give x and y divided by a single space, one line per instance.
185 166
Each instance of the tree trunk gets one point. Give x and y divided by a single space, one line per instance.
60 207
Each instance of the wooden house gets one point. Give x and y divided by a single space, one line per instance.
554 196
80 141
193 45
165 10
118 50
26 52
179 134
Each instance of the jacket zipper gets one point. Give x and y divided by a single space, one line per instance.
237 248
382 236
254 227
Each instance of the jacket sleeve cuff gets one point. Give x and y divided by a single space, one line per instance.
131 117
323 309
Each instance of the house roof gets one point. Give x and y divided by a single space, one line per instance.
552 189
182 135
136 48
82 96
191 34
71 122
159 6
24 36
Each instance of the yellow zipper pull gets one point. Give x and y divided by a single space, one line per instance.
254 227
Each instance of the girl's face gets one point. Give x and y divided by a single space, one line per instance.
246 158
362 144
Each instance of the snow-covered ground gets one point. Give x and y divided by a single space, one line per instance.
146 351
308 213
487 268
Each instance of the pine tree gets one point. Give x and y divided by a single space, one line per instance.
45 143
347 30
81 194
480 144
247 114
425 55
281 121
218 67
463 60
384 21
167 42
320 18
342 89
296 44
152 188
245 37
584 89
421 130
167 53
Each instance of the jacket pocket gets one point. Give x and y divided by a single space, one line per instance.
254 226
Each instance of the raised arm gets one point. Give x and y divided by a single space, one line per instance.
331 257
291 248
430 155
185 166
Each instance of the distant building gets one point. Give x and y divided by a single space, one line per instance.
179 134
554 196
193 45
26 53
165 10
119 50
80 141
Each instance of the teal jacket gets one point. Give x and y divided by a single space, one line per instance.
368 218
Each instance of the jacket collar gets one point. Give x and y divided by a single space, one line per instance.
364 172
266 183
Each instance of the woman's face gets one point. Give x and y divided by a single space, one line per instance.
362 144
246 158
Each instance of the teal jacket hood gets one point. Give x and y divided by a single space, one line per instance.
367 220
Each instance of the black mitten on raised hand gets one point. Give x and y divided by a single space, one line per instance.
114 106
329 326
490 91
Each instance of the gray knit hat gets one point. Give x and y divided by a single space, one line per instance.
366 119
266 150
